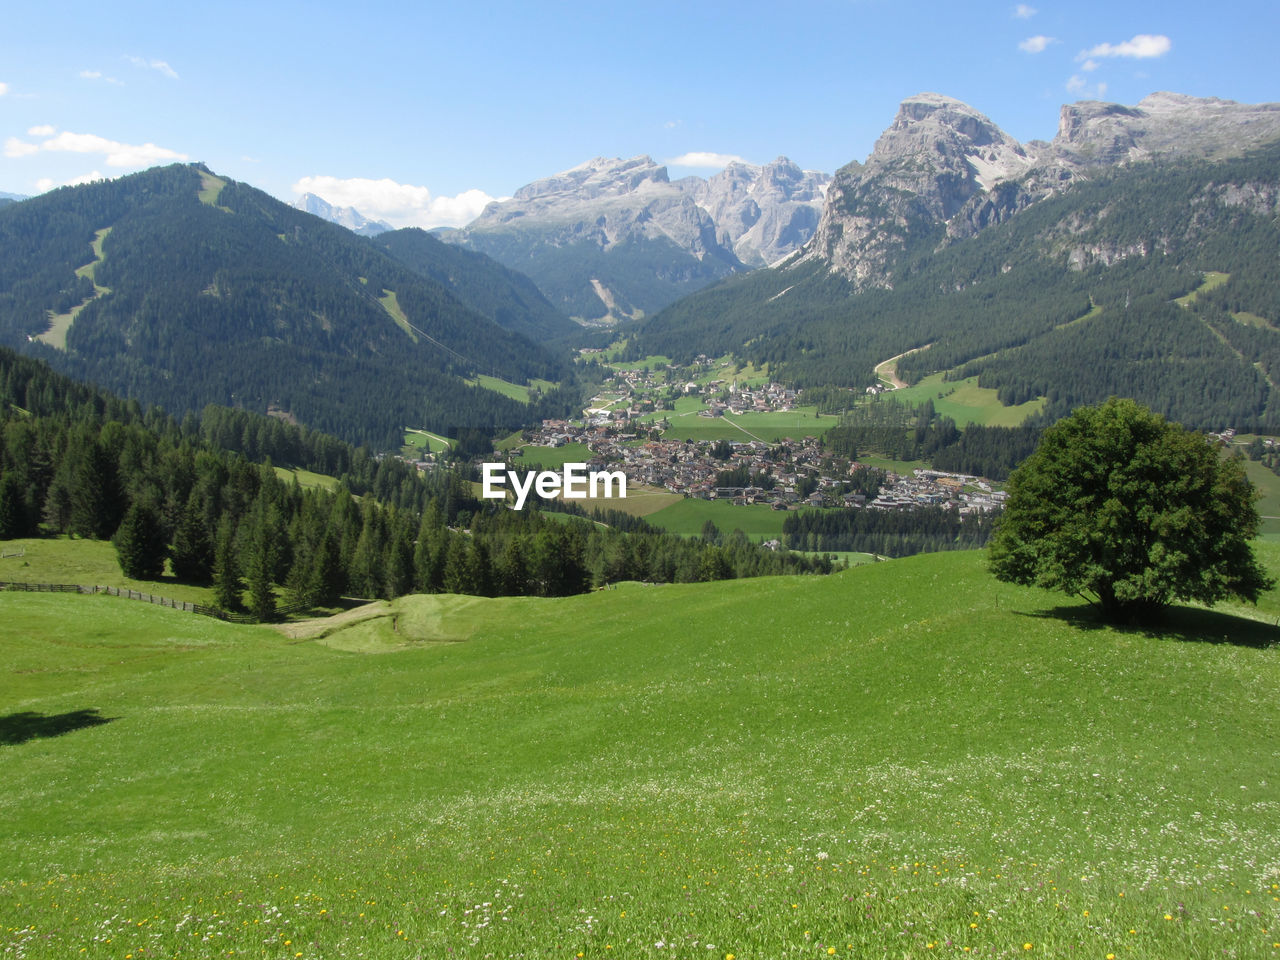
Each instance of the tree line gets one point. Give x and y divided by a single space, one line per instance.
77 461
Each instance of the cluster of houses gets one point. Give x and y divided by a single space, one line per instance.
788 474
634 394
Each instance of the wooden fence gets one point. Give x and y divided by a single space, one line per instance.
130 595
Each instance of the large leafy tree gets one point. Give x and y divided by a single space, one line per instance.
1130 511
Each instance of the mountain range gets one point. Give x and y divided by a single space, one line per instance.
616 239
942 164
1133 254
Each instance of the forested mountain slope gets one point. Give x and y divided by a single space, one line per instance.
175 286
1157 281
508 298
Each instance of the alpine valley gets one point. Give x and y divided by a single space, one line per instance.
1134 254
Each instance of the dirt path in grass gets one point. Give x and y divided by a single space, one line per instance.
888 370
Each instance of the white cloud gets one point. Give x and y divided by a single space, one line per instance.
1078 85
98 75
13 147
47 183
115 154
699 158
1024 12
159 65
399 204
4 88
1036 44
1090 65
1141 47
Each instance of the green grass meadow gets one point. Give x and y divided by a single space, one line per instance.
421 440
63 560
769 427
906 759
687 517
551 458
516 391
965 402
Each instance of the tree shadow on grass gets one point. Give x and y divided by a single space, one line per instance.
1188 624
21 727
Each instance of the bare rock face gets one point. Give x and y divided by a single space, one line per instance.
605 240
936 156
607 202
1162 125
348 217
764 213
943 169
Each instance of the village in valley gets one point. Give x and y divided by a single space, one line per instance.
653 423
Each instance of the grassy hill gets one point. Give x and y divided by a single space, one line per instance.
907 759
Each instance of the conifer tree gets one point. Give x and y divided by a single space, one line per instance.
139 543
226 567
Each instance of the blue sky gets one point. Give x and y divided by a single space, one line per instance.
419 113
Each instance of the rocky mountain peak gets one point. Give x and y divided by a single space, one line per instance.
931 120
348 217
943 169
597 178
937 158
764 213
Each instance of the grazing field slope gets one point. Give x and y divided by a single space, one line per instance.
907 759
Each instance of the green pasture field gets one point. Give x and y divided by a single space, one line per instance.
1252 320
415 440
655 363
906 759
1267 484
87 562
965 402
510 442
686 406
1212 280
687 517
770 427
516 391
210 187
552 458
60 324
391 304
640 501
903 467
728 369
308 479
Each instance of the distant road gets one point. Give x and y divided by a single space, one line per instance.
888 370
